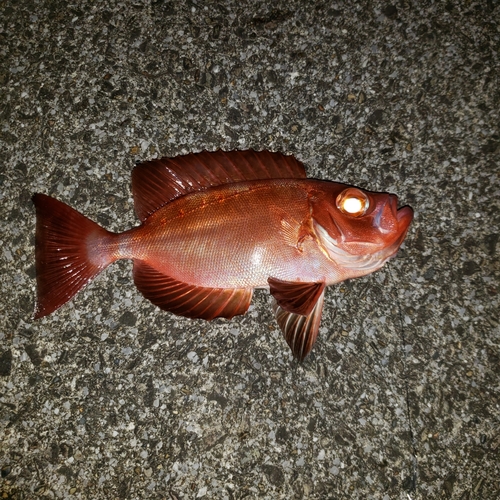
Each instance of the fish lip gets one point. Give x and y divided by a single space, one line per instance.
404 217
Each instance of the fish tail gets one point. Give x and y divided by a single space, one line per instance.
70 250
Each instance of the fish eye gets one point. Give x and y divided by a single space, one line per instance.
353 202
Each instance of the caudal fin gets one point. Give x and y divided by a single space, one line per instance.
70 250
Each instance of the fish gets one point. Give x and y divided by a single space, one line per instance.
214 226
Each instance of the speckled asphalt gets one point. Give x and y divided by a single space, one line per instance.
111 398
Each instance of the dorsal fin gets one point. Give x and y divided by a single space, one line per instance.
156 182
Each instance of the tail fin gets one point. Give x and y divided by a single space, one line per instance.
70 251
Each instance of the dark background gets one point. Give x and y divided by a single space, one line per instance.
110 397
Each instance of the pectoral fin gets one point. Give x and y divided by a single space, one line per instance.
300 331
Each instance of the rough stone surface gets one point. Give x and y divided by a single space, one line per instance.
110 398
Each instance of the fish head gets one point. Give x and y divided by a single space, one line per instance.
359 230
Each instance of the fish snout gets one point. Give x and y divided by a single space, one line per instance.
403 215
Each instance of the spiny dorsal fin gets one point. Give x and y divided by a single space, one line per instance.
156 182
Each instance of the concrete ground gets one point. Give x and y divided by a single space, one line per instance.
111 398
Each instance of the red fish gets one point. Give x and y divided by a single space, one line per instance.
214 226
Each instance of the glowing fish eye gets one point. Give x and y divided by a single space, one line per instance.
352 205
353 202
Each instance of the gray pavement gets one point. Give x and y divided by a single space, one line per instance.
111 398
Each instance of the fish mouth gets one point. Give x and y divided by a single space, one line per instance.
404 217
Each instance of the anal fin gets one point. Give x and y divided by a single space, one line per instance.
188 300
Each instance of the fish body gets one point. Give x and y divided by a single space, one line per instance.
215 226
